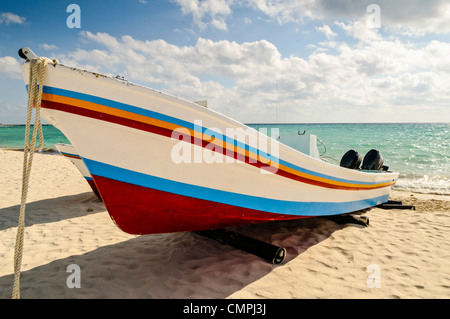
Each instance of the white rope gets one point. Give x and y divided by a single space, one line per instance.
35 86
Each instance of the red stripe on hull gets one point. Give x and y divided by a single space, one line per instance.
168 133
140 210
71 156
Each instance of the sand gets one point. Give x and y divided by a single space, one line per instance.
407 252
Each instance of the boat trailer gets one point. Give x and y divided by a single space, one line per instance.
395 204
269 252
275 254
266 251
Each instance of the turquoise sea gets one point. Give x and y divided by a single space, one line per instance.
420 152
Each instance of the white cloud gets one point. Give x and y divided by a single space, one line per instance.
8 17
47 47
403 16
243 79
360 30
325 29
10 68
285 11
204 12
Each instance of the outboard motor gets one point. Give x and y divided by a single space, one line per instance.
373 161
351 160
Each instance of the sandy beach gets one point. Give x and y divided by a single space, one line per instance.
407 252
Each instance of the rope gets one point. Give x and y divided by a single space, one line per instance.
35 86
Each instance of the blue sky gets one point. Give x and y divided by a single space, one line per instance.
253 60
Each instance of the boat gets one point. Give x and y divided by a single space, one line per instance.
71 153
164 164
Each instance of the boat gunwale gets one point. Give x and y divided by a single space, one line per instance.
363 173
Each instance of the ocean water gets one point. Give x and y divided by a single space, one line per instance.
12 136
420 152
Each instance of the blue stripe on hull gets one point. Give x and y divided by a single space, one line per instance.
247 201
200 129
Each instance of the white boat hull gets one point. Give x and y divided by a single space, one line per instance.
71 153
203 178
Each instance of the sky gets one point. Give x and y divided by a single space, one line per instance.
257 61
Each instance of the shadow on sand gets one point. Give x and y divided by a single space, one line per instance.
179 265
51 210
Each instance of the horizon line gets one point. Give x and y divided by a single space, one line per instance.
280 123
